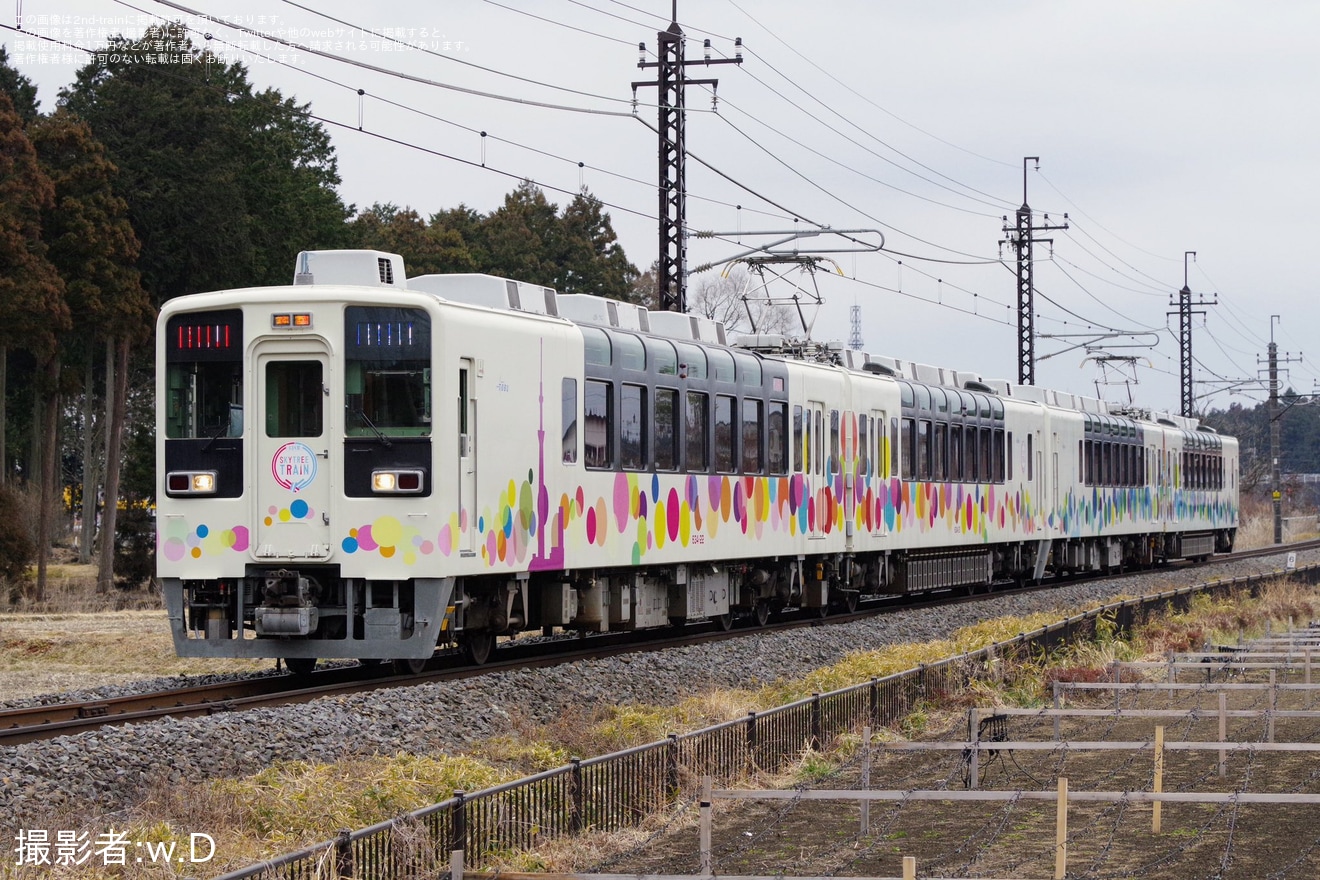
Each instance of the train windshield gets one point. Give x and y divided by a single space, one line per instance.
204 375
388 371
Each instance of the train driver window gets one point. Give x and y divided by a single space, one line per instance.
387 378
204 375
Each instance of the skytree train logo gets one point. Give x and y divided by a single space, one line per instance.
294 466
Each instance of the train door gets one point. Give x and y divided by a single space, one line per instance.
817 470
292 469
467 455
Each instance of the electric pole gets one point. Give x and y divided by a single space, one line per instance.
1185 313
855 321
670 83
1276 413
1022 238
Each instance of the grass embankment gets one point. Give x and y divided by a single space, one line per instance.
292 804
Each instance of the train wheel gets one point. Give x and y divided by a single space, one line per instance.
478 646
724 621
823 610
762 612
850 600
411 666
300 665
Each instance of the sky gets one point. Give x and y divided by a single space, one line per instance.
1161 127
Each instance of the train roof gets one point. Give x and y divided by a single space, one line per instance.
384 270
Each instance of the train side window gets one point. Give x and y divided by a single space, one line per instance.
863 450
721 365
1010 456
908 443
596 347
957 469
752 416
940 451
893 447
568 420
970 472
696 430
663 358
1031 465
666 437
691 360
777 437
726 452
798 443
1081 460
749 370
834 441
998 456
923 449
632 356
632 427
985 448
597 424
819 436
293 399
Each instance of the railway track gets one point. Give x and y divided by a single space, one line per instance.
61 719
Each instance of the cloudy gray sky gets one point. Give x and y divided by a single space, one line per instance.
1162 126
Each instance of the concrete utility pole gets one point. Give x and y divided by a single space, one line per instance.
1184 314
670 83
1022 237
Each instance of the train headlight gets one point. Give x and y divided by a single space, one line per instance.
190 482
397 482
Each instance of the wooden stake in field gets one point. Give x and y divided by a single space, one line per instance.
1061 831
1158 806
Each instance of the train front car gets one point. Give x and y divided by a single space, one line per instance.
284 415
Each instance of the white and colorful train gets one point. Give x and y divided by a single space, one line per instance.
366 465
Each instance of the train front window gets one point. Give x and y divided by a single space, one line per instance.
293 398
204 375
387 376
204 400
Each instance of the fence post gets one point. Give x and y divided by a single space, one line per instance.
458 821
817 723
707 864
1058 719
1223 730
875 698
866 779
343 854
751 741
456 865
671 766
575 801
909 868
974 771
1274 704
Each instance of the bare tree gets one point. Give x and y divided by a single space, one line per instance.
726 298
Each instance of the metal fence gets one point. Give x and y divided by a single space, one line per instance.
618 790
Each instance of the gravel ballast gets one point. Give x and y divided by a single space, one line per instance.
96 776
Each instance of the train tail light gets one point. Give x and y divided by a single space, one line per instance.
397 482
190 482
